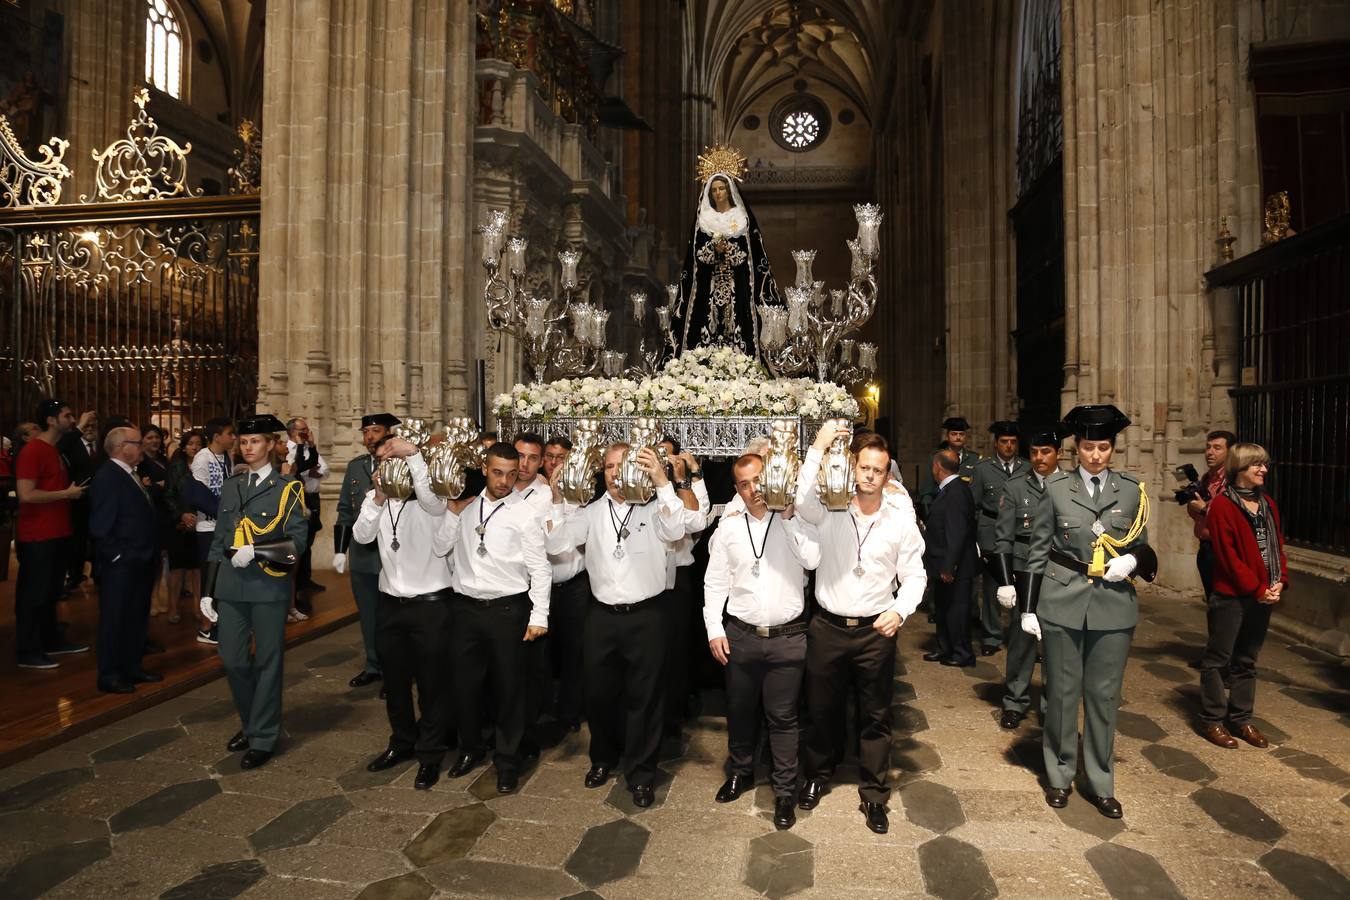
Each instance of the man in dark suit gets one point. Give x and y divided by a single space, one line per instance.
949 557
122 528
83 456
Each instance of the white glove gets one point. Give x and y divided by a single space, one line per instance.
1031 625
1007 596
1121 567
242 557
207 606
339 563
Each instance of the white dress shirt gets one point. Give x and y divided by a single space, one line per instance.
568 563
415 568
891 548
1088 476
948 480
640 573
312 479
787 547
514 561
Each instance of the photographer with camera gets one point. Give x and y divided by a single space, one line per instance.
1197 493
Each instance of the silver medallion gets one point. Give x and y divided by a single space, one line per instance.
482 549
393 545
618 551
1098 528
480 528
754 570
858 571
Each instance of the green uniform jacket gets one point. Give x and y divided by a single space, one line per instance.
928 488
1063 521
251 584
1017 507
356 483
986 484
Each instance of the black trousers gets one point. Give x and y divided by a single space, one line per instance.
124 590
304 569
412 637
78 547
951 607
838 658
490 658
1237 629
625 700
679 608
764 673
566 627
42 574
1204 564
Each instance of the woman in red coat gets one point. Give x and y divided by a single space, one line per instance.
1250 574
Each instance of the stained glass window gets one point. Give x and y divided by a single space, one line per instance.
163 48
801 129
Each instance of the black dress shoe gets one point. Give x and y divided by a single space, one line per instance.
959 663
597 777
363 679
237 743
463 766
989 649
875 814
784 813
1107 806
1010 719
813 790
144 677
116 687
388 759
1057 797
507 782
254 758
932 656
427 775
643 795
734 787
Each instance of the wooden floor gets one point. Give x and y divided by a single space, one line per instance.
41 708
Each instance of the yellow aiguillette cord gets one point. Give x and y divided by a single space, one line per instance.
1106 544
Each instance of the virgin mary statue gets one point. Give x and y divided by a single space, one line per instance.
726 271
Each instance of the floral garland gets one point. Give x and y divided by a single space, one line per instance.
707 381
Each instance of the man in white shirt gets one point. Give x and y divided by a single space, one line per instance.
501 579
308 465
534 490
757 563
412 617
625 647
567 607
864 551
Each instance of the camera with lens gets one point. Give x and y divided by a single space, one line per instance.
1191 488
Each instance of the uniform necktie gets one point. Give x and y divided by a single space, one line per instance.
253 480
1096 487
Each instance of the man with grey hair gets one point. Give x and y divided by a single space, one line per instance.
122 527
309 466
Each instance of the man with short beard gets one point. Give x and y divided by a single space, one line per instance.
362 559
986 486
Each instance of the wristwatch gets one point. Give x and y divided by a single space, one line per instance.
695 473
681 485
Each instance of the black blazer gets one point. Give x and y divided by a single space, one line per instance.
80 465
949 542
122 519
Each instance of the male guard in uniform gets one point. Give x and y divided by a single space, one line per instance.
250 575
986 485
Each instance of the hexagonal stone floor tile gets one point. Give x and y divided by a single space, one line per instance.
621 798
1304 876
1310 765
955 870
780 865
608 852
38 873
219 882
1127 872
42 787
932 806
300 824
401 887
1139 727
450 835
162 807
1239 815
1178 763
138 745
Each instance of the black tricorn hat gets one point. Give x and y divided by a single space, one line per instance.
1099 422
388 420
261 423
955 423
1046 435
1005 428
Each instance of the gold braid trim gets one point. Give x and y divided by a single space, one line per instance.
247 531
1105 544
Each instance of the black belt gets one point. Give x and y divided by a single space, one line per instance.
620 609
796 626
846 621
987 514
433 597
1068 562
489 602
1022 538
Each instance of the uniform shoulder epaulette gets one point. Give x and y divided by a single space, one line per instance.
1126 476
1022 476
1058 476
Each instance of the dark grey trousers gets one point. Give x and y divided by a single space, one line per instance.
764 673
366 590
1237 629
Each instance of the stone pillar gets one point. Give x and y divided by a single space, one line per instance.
366 163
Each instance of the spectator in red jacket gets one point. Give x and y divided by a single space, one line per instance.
1250 574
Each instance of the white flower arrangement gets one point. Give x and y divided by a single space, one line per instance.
708 381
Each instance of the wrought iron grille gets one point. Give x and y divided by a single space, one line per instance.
144 309
722 437
1295 394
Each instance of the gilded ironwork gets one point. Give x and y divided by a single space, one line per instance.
1225 240
29 182
144 165
246 174
722 437
1276 218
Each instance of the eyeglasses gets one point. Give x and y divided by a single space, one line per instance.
137 443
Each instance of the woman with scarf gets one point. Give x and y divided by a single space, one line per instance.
1250 574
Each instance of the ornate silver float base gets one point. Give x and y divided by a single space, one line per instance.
706 436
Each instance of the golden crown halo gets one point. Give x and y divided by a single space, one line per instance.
721 159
